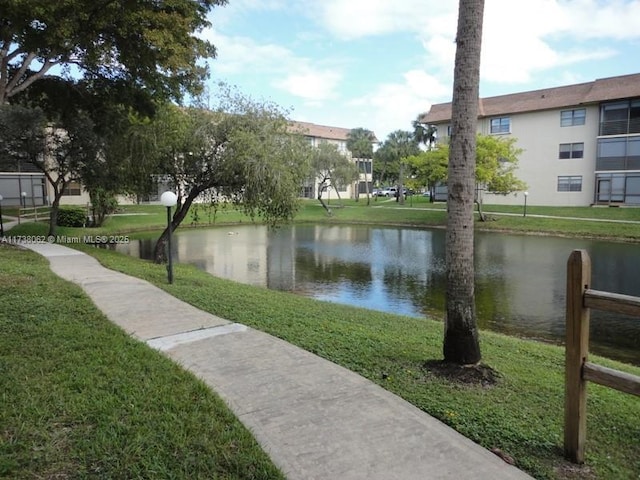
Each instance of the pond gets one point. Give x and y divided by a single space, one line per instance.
520 279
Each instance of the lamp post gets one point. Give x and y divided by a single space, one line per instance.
1 224
23 204
169 199
526 194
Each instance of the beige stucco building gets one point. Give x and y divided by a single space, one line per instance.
38 191
581 143
317 134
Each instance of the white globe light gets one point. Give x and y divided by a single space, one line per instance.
168 199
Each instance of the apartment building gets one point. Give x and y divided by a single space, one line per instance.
581 143
23 184
316 134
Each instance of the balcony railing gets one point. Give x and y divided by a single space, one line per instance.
620 127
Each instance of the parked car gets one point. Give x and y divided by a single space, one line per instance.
391 192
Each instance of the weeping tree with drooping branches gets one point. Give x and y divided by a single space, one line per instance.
239 153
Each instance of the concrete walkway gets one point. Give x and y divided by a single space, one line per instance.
315 419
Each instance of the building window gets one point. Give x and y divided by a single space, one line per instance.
501 125
570 183
73 189
570 118
571 150
620 118
363 165
618 153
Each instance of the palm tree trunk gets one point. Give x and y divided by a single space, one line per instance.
461 345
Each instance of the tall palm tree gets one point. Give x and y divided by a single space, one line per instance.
424 134
403 144
360 144
461 345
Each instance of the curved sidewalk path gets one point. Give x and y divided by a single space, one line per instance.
315 419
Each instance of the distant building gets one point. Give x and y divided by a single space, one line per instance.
581 142
335 136
22 184
24 177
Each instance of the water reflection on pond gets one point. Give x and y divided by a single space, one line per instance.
520 280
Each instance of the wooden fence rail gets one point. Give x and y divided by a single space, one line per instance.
578 370
34 213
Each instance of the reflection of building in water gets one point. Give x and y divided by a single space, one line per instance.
520 283
281 264
520 280
237 255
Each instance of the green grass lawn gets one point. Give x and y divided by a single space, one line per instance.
81 399
417 212
521 415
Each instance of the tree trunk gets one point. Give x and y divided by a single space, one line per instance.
481 215
321 188
401 196
339 198
160 254
58 188
461 345
366 181
53 215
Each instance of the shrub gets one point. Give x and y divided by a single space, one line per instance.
71 217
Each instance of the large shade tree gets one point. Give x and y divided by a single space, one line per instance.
496 165
461 344
61 150
145 45
241 152
106 114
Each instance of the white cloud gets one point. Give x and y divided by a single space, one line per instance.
522 42
520 38
277 65
348 19
311 85
395 105
615 19
238 54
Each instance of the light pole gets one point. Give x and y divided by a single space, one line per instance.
169 199
526 194
1 224
23 204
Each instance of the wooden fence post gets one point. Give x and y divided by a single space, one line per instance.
576 354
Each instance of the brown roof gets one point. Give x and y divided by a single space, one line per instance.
321 131
603 89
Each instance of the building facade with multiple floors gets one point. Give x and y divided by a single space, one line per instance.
317 134
581 143
16 179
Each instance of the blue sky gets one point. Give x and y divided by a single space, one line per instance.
379 63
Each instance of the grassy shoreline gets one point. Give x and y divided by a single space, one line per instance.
522 415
